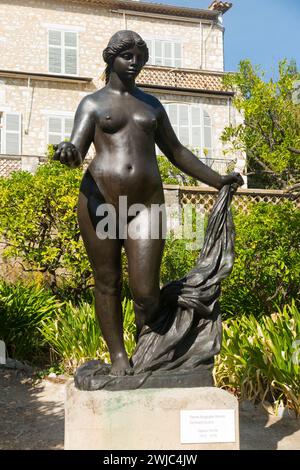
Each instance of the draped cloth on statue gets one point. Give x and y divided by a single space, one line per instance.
178 349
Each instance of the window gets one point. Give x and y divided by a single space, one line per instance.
10 133
62 52
163 52
192 125
59 129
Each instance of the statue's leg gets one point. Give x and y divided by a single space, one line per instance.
105 258
144 259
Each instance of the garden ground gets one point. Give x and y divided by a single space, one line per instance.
32 417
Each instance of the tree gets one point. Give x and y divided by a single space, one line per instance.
270 133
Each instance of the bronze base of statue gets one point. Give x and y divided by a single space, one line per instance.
94 375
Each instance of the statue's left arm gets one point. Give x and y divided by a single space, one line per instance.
184 159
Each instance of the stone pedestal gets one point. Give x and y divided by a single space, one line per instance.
151 419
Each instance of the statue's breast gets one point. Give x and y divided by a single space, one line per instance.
145 119
112 120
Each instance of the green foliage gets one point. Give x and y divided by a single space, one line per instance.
38 224
50 152
260 360
172 175
74 335
270 132
22 309
266 271
129 327
177 260
55 368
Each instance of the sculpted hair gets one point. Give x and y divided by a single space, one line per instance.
119 42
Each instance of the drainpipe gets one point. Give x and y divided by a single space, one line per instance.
124 20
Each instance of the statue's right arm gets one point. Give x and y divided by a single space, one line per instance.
72 153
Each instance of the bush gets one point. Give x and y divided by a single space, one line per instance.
266 271
172 175
22 309
38 225
260 359
177 260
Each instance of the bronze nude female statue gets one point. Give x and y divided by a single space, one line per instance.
125 123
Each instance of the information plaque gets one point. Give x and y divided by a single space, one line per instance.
204 426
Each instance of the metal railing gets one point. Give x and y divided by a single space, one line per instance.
220 165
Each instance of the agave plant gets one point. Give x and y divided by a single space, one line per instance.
129 327
22 309
261 358
75 337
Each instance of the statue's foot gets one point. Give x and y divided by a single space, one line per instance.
121 367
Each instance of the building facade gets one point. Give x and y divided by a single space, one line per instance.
51 57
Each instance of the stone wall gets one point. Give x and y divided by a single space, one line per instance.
43 98
24 25
35 103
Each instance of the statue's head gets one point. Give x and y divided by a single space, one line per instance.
119 42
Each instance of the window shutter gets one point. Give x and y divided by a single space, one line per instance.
59 129
13 133
71 53
54 60
55 52
71 61
172 111
167 46
68 127
70 39
149 45
63 52
207 133
55 125
192 126
184 124
163 52
158 53
54 130
54 38
177 54
196 128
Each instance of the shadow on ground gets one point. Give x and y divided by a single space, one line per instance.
260 431
31 416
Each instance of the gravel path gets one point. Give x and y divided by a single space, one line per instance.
32 417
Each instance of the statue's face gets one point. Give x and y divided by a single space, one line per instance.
129 63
